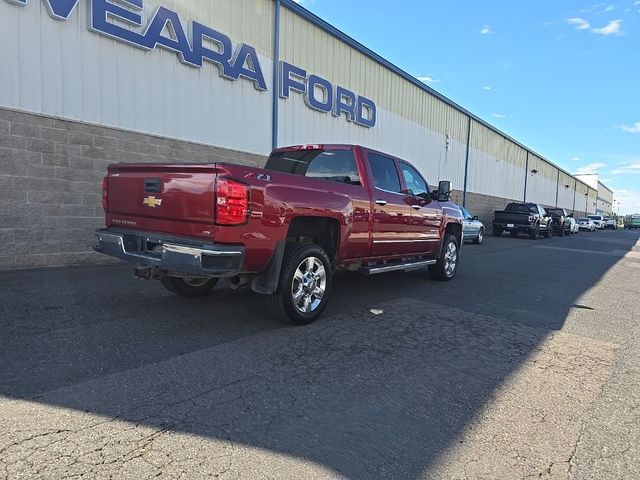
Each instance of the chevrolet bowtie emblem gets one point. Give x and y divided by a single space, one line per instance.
152 202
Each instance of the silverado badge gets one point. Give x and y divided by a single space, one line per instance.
152 201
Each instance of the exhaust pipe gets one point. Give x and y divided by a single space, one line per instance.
239 281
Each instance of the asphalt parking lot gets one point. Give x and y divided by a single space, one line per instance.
527 365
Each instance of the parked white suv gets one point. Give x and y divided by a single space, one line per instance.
598 220
611 223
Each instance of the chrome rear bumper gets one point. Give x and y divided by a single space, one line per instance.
173 254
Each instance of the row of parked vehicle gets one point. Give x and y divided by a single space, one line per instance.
534 220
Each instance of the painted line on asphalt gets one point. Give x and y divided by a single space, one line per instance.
613 253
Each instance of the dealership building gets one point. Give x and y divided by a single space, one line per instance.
86 83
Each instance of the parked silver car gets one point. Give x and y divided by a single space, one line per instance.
586 223
472 228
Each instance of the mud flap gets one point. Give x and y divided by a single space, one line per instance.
267 282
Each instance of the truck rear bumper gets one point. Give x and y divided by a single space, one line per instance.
173 254
512 226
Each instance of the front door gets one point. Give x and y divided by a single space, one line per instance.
470 227
427 213
393 223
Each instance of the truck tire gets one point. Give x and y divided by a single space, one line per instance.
189 287
447 265
548 232
534 232
304 285
497 231
514 233
562 232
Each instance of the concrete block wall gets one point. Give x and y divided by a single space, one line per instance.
51 179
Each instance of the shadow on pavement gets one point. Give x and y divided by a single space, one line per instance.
365 395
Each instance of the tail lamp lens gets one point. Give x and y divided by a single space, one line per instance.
232 202
105 194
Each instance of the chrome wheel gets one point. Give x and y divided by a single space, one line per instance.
309 285
480 236
450 259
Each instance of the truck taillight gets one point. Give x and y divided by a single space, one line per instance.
105 194
232 202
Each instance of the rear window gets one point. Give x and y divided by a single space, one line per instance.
555 211
584 219
332 165
595 217
520 208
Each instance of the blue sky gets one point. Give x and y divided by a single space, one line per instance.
562 77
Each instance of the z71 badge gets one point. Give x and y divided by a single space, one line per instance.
264 177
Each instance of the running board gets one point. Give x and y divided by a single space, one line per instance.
406 266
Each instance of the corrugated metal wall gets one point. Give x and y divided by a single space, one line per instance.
541 181
566 191
412 124
496 165
63 69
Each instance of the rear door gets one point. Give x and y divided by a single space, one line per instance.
393 223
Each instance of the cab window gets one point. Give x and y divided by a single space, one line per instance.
332 165
384 173
413 180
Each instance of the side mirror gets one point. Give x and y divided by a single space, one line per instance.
444 191
475 217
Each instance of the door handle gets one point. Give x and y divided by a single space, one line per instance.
416 207
380 202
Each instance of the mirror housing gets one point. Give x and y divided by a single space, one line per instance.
444 190
475 217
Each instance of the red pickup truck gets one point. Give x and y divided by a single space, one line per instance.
283 229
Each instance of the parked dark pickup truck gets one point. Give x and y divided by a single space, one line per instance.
282 229
523 217
561 222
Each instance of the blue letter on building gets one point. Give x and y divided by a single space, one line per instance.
287 83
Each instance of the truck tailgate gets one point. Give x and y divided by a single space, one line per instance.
512 217
182 193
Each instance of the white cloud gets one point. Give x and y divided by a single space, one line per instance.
609 8
575 158
593 8
591 168
580 23
486 30
636 3
635 128
612 28
500 115
628 168
487 88
429 79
